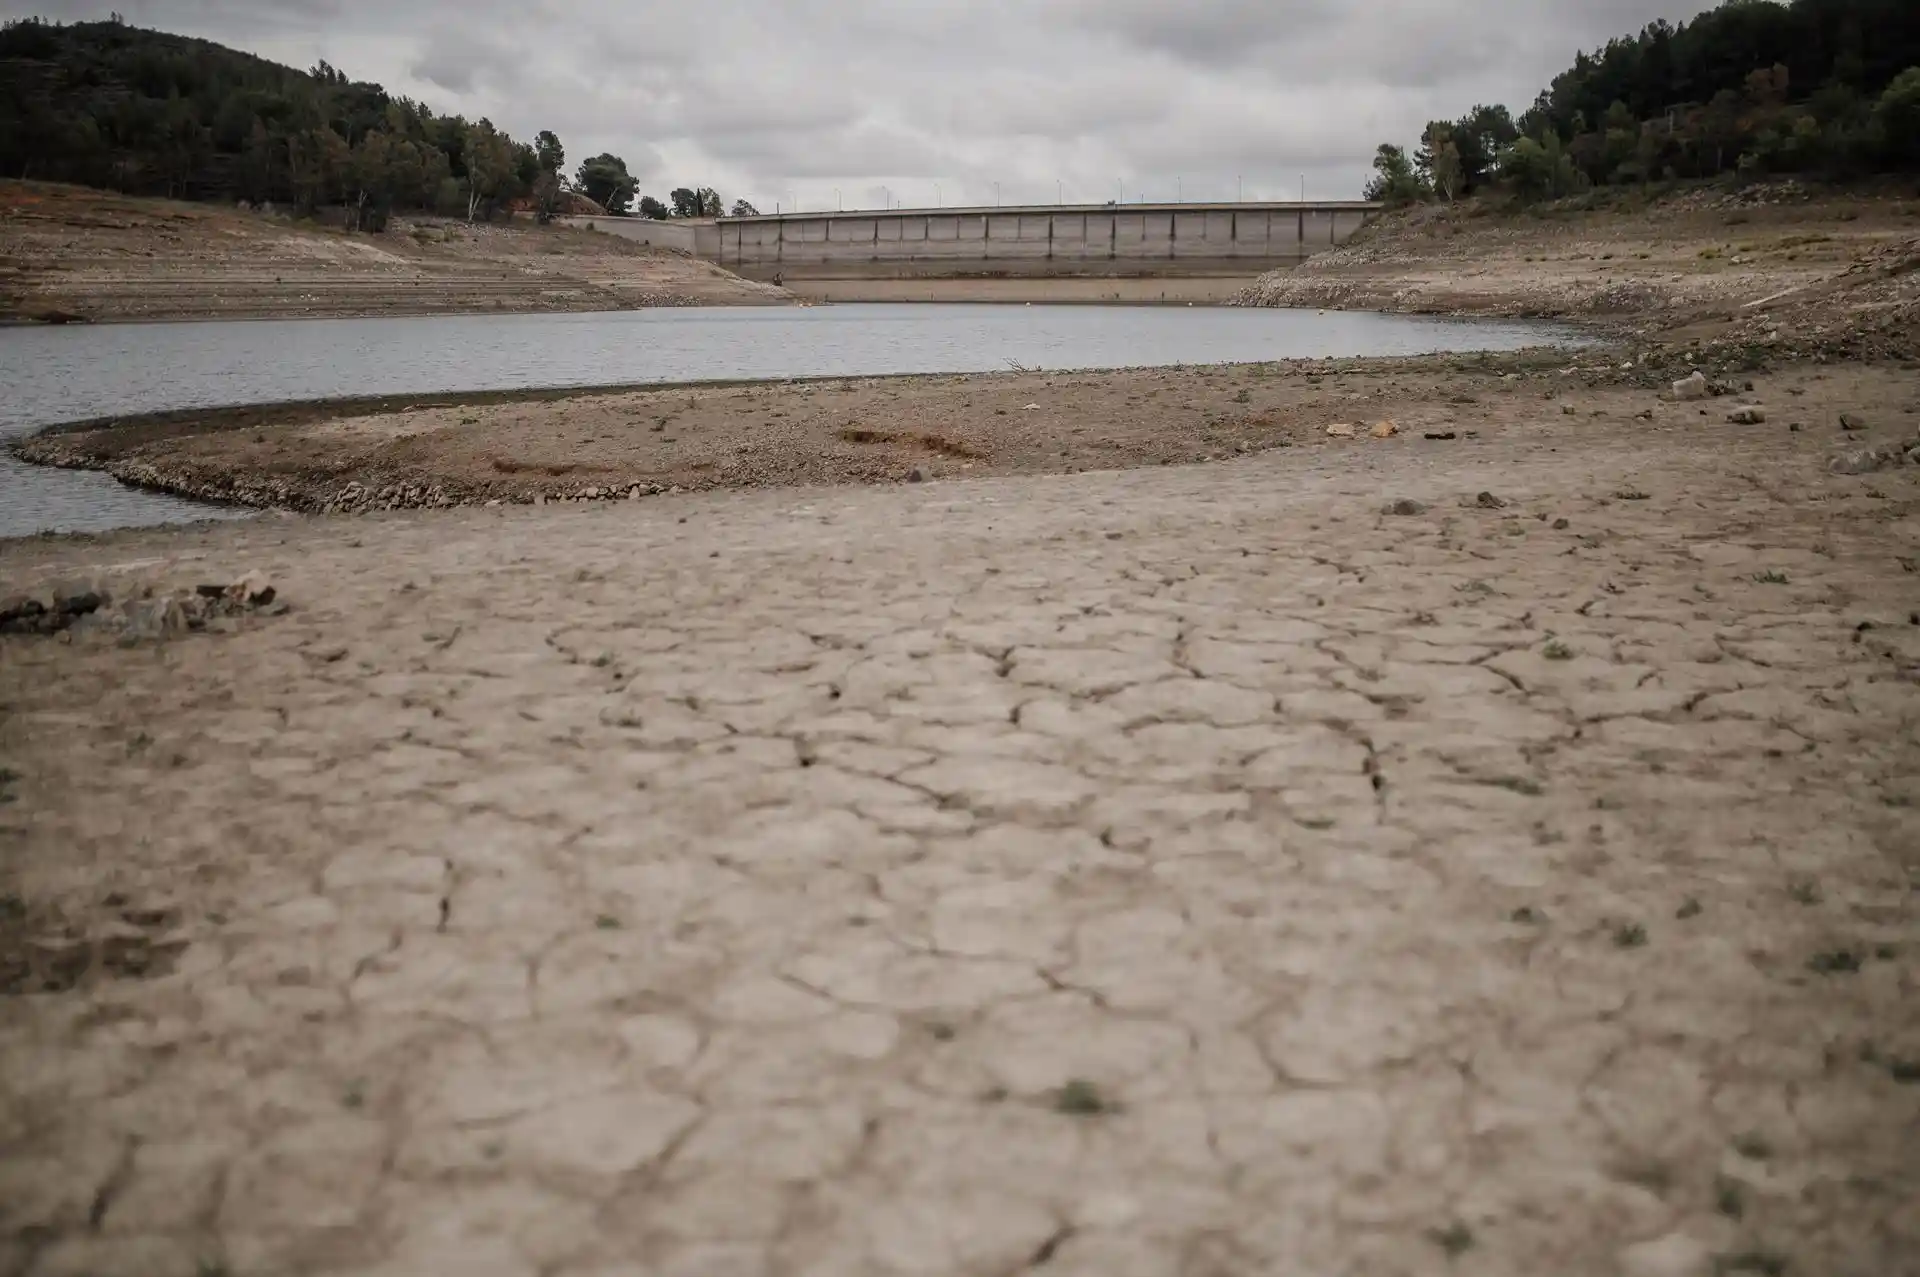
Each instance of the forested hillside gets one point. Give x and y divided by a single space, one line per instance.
1828 88
148 113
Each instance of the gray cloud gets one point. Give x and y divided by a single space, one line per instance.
784 100
461 60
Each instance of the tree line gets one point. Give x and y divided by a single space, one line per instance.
149 113
1826 88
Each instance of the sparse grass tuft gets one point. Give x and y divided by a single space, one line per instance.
1555 650
1806 891
1770 577
1629 935
607 922
1081 1098
1689 908
1456 1239
1834 962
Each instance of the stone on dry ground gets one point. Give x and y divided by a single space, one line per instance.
1185 871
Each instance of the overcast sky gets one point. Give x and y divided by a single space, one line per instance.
857 101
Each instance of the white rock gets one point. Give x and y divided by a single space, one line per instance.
1694 387
254 587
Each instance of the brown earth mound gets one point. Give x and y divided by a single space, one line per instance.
1812 272
89 254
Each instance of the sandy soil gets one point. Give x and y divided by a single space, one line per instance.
91 254
1298 863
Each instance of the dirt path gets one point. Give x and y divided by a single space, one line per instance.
95 255
1179 871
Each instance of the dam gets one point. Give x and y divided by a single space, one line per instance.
1104 252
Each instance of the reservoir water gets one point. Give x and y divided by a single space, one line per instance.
53 375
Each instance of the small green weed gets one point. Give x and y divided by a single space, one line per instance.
1456 1239
1834 962
1081 1098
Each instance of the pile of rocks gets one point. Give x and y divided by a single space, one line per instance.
359 498
147 612
1883 457
312 494
1869 311
1755 195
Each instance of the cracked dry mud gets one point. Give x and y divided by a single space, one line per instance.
1189 871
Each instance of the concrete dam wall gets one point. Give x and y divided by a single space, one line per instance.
1106 241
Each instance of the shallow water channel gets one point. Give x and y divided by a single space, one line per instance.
52 375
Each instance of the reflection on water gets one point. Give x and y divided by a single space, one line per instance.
73 373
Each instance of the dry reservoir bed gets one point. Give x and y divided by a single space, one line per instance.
1186 870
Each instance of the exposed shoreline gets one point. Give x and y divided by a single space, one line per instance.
529 446
1707 263
1822 280
96 257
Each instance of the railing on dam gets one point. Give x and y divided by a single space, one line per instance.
1093 240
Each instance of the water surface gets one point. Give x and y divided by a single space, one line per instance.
74 373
